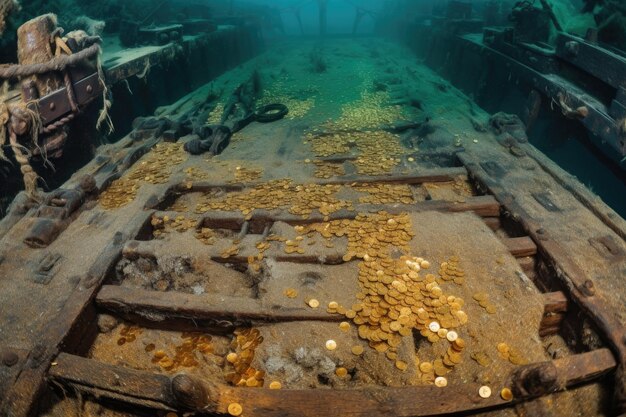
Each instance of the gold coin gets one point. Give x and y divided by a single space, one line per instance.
275 385
357 350
331 345
441 382
344 326
452 336
434 327
333 305
506 394
426 367
291 293
401 365
484 391
232 357
341 372
313 303
458 344
502 347
235 409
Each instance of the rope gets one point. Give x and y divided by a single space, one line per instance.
22 157
58 63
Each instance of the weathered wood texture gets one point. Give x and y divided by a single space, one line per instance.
222 309
577 285
521 246
554 313
153 390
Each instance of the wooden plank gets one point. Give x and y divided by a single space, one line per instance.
576 284
594 59
221 310
21 398
520 246
484 206
591 201
154 390
430 175
116 382
555 307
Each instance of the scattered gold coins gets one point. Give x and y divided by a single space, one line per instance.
327 170
231 251
344 326
235 409
313 303
506 394
331 345
441 382
508 353
275 385
484 391
186 353
243 174
483 300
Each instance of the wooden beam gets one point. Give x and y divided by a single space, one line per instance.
154 390
134 387
429 175
520 247
483 206
555 307
212 310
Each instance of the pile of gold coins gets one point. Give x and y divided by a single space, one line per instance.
206 235
512 355
254 262
185 354
243 174
166 224
397 295
301 199
378 151
119 193
128 334
385 193
324 145
327 170
238 371
450 271
370 111
280 93
154 168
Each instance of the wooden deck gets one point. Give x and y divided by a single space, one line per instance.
197 247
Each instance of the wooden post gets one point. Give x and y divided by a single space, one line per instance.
34 46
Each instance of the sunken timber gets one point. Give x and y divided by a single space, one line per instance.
307 227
